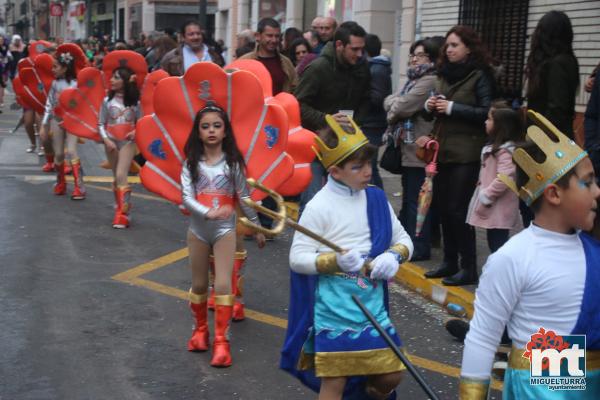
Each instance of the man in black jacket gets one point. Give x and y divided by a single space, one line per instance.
336 83
375 122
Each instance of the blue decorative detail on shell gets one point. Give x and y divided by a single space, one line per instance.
157 150
272 135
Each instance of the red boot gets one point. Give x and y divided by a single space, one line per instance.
79 188
221 356
49 166
211 282
199 340
121 219
60 188
237 281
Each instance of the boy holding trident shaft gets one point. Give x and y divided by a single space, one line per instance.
330 345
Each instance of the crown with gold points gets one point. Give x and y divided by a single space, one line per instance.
561 156
348 143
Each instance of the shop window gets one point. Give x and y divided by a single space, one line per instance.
502 26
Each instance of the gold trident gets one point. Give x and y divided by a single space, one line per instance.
283 220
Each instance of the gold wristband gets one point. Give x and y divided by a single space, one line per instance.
473 389
402 250
327 263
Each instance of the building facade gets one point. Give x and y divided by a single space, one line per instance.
506 26
77 19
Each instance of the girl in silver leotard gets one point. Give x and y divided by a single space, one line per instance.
116 124
64 70
217 186
212 182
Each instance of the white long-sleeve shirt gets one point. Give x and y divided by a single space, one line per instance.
535 280
339 214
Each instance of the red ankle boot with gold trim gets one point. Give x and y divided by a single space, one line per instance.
221 356
60 187
200 337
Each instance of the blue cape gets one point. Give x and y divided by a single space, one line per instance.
588 322
302 300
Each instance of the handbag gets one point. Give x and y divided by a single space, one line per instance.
424 154
391 160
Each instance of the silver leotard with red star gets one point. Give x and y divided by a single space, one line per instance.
217 186
115 120
58 85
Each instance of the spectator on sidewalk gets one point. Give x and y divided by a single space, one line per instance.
17 49
193 50
408 104
283 74
375 122
151 43
326 30
464 92
245 42
552 71
589 82
312 37
336 83
299 49
289 36
592 126
162 46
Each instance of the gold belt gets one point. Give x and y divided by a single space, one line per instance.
517 361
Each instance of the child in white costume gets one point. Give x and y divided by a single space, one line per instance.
547 276
338 344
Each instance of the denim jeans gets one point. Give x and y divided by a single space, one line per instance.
412 180
319 177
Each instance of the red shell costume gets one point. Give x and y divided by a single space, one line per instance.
259 121
82 104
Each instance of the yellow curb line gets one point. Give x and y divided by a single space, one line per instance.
98 179
412 276
133 277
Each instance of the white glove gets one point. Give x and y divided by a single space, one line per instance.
385 266
350 261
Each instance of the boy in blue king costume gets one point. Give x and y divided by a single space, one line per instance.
330 345
547 276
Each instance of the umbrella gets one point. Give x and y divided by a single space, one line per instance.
426 189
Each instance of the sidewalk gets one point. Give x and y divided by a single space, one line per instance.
411 274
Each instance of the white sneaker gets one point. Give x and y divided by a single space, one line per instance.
31 149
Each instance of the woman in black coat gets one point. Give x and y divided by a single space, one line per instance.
552 71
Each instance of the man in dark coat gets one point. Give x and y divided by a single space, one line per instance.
336 83
375 123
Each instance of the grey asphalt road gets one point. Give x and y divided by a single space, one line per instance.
71 330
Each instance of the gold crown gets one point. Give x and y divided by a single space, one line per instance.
561 156
348 143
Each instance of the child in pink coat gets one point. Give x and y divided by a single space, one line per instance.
493 206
